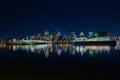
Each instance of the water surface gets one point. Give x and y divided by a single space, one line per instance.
62 59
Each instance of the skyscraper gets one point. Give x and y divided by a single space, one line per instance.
46 35
38 36
71 35
82 34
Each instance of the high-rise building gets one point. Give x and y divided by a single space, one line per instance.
90 34
95 34
71 35
58 35
38 36
82 34
54 36
46 35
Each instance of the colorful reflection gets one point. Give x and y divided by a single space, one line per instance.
60 49
91 49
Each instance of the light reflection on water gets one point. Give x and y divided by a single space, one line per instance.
61 48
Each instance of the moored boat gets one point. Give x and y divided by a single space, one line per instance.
94 41
29 42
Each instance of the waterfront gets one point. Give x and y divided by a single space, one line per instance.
61 61
60 49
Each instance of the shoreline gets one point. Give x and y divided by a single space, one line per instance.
111 43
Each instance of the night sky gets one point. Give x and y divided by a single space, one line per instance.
19 18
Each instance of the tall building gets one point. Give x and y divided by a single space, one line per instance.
58 35
90 34
95 34
38 36
82 34
54 36
71 35
46 35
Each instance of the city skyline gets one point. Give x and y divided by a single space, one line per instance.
23 17
70 33
48 34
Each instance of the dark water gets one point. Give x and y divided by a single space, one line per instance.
62 61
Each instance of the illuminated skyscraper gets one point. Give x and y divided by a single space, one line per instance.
58 35
38 36
46 35
95 34
82 34
90 34
72 35
54 36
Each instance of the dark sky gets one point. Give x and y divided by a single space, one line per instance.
27 17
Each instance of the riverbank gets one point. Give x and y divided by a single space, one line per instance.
111 43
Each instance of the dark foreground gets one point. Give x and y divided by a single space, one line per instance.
25 73
95 68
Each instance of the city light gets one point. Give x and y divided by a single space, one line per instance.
60 49
102 38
